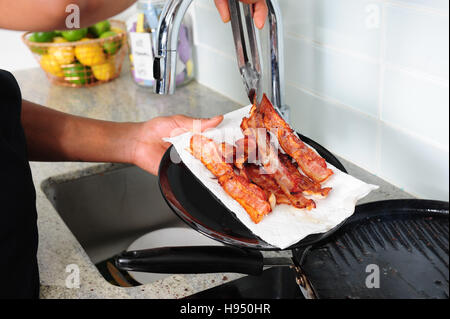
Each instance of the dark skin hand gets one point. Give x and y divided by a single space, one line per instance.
260 11
56 136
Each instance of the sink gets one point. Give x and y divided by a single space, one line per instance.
107 212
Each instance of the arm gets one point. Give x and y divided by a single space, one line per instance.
57 136
47 15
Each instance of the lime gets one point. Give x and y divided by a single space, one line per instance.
42 36
105 71
90 54
78 74
50 65
62 54
99 28
110 46
74 35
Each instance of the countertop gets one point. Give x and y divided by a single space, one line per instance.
123 101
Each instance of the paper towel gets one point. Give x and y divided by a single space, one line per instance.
286 225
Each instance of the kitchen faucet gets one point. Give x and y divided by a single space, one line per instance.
167 42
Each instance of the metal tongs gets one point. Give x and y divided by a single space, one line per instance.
250 69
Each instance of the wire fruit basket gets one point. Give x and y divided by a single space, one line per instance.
83 63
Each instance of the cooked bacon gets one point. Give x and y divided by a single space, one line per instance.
228 152
270 186
267 155
246 152
248 195
309 161
308 186
266 182
240 154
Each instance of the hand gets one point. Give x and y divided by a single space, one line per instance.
259 7
148 145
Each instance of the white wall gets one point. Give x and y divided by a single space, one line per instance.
14 54
368 79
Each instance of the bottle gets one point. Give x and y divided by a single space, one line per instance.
141 28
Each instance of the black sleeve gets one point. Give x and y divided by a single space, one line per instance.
18 217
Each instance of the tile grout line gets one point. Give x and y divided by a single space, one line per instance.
400 129
318 44
217 51
321 45
407 70
418 7
331 100
348 107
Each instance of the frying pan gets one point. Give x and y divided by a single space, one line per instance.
200 209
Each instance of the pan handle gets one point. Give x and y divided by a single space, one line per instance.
192 260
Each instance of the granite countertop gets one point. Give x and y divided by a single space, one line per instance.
123 101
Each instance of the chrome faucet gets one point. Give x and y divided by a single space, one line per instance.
167 41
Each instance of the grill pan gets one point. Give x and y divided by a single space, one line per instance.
403 244
406 241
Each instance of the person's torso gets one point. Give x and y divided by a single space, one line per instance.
18 229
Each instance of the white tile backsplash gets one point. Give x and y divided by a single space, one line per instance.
441 5
416 104
347 24
336 127
220 73
368 79
409 162
418 40
348 79
214 32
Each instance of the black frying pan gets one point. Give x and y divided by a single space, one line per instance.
200 209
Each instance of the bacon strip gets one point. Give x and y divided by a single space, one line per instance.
270 186
248 195
308 186
253 128
309 161
246 152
